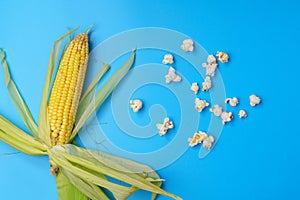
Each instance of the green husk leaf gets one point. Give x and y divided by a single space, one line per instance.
102 94
43 117
20 136
66 190
91 190
17 98
19 145
120 192
87 159
87 96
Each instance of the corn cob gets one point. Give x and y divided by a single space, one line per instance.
66 90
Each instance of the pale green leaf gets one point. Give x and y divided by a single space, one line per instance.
102 94
66 190
92 191
19 145
17 98
44 130
88 94
87 159
17 134
120 192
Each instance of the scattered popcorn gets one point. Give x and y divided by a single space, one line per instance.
242 114
226 117
168 59
217 110
206 85
254 100
163 128
232 101
200 104
172 76
210 68
207 143
187 45
197 138
136 105
222 56
211 59
195 87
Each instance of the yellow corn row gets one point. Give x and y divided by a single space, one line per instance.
66 90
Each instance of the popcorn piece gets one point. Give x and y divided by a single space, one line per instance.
242 114
254 100
232 101
210 68
172 76
136 105
187 45
217 110
195 87
222 56
226 117
168 59
206 85
211 59
197 138
163 128
207 142
200 104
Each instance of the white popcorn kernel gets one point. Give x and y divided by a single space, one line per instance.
226 117
172 76
136 105
211 59
163 128
200 104
206 85
242 114
217 110
207 142
195 87
187 45
254 100
210 68
168 59
222 56
197 138
232 101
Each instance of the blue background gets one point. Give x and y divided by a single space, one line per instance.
256 158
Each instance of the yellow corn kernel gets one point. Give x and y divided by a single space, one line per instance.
66 90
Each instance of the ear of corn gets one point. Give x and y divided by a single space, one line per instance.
43 123
81 171
66 90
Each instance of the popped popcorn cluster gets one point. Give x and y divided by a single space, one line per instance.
222 56
136 105
206 84
226 117
195 87
216 110
254 100
210 66
200 104
172 76
242 114
232 101
165 126
187 45
168 59
201 137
